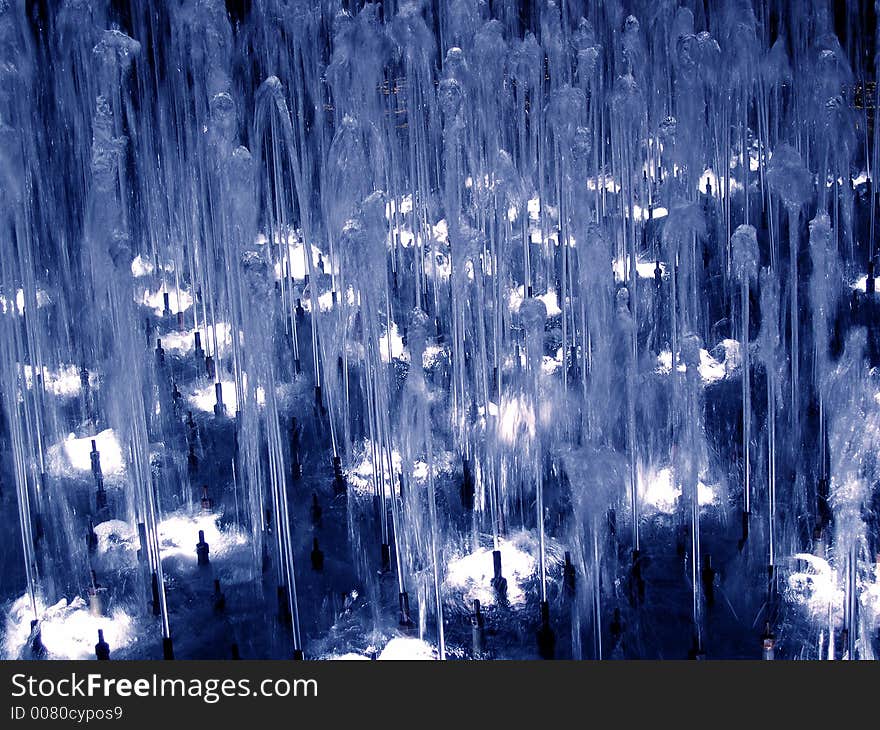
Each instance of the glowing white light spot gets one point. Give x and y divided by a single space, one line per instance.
404 206
408 648
433 355
404 236
516 420
710 177
204 398
817 589
141 267
183 342
361 475
516 296
391 344
63 382
42 300
861 178
295 265
117 542
179 533
659 492
644 269
645 214
710 369
74 455
325 300
534 207
473 573
441 231
605 181
178 301
861 285
67 630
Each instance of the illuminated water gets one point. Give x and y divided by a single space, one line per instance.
439 329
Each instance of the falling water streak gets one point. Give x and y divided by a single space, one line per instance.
144 190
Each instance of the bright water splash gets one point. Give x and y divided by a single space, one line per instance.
425 327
